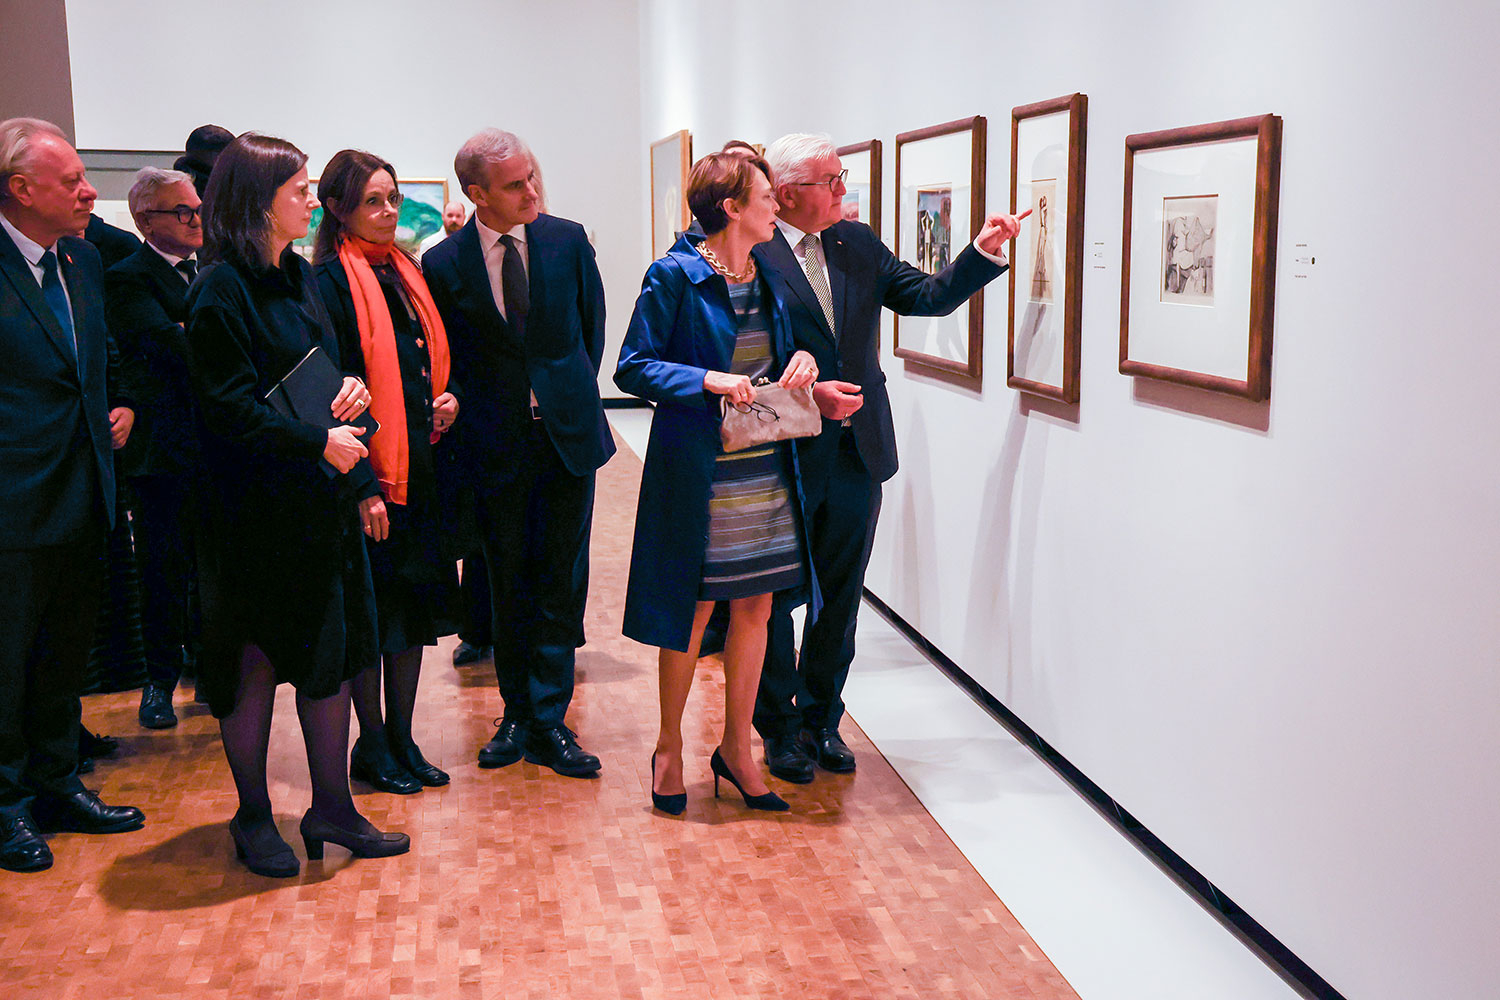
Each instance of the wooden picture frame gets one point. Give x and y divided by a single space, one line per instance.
1198 256
671 159
864 183
931 168
1048 147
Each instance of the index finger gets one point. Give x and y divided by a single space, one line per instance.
1023 215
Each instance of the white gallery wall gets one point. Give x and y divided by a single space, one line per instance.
1272 632
409 81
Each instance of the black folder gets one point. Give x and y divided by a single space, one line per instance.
307 393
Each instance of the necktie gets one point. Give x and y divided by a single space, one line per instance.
513 286
57 299
816 278
188 269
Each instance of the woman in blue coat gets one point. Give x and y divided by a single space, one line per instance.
712 526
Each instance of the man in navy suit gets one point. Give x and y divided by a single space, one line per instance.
58 429
835 277
147 298
523 303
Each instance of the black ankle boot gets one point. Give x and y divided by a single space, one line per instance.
373 763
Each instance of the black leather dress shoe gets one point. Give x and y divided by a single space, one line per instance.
466 652
827 747
82 812
786 759
22 848
93 745
372 762
156 708
506 746
558 749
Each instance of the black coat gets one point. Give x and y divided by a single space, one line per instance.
113 243
57 466
864 277
277 524
147 305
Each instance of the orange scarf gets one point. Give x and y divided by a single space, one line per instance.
390 451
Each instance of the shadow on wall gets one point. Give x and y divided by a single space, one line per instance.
1203 403
1002 592
917 537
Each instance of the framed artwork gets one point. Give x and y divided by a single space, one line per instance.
1048 141
1198 258
422 201
862 188
112 172
939 210
671 159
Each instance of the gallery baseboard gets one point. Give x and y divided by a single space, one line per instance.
1277 956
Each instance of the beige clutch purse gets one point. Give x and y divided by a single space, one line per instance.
776 415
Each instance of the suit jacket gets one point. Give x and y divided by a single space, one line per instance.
558 358
147 305
57 463
113 243
683 326
863 276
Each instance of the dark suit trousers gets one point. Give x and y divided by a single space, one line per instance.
842 507
474 590
535 531
46 628
164 546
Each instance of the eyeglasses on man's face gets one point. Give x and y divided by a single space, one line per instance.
832 183
185 215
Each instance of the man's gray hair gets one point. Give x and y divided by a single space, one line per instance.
791 157
16 137
150 180
484 147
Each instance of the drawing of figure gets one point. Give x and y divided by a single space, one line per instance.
1188 253
924 241
942 236
1041 276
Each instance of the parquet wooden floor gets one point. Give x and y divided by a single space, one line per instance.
520 883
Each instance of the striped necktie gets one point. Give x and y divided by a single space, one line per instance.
816 278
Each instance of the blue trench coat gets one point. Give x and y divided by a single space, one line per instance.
684 326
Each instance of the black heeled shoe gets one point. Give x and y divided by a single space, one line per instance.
672 805
409 756
372 762
769 802
267 855
316 831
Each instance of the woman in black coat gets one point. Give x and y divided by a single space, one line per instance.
390 334
285 583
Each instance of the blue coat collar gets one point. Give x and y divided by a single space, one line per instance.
685 253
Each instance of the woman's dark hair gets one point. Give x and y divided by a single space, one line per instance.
719 176
340 189
237 203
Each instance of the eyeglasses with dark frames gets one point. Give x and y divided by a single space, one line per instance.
394 200
185 215
761 411
831 183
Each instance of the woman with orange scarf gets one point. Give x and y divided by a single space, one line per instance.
385 318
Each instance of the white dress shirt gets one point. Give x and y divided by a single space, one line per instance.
173 260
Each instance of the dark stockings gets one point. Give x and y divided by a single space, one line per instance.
400 675
325 730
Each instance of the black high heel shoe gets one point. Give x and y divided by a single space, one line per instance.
672 805
267 855
769 802
409 756
316 831
372 762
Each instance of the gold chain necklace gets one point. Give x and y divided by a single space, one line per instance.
718 265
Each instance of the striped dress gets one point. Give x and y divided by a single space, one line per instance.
753 546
